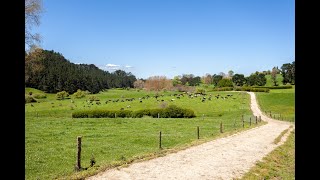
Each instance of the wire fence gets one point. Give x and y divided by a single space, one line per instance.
279 116
200 132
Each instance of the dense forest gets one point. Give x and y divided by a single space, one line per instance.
51 72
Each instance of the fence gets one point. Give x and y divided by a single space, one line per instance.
245 121
279 116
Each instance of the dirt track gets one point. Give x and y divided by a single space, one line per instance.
224 158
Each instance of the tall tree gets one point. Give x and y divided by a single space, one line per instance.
216 78
239 79
33 9
230 73
274 73
207 79
158 83
139 84
288 73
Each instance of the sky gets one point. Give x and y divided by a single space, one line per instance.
171 37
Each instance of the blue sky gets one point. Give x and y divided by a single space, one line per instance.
171 37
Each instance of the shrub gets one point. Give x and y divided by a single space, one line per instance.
93 98
225 83
39 96
62 95
79 94
251 89
29 99
274 87
170 112
200 91
223 89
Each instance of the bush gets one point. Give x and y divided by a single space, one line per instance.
80 94
223 89
29 99
62 95
93 98
251 89
170 112
200 91
274 87
39 96
225 83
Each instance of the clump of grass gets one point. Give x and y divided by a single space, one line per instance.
277 140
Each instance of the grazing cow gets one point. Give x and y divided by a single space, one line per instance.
140 101
128 106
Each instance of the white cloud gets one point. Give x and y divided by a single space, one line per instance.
127 66
112 66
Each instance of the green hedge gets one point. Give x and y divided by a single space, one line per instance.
223 89
251 89
171 111
274 87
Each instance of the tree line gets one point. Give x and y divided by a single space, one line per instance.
49 71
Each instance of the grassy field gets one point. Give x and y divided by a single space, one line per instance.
279 102
279 164
270 83
51 132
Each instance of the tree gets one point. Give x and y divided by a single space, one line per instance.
256 79
207 79
222 74
33 9
33 63
274 73
138 84
176 80
158 83
239 79
288 73
230 73
225 83
216 79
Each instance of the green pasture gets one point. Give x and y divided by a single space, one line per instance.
50 137
281 103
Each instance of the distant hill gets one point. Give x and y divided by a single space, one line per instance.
50 72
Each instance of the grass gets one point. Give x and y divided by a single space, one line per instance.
278 139
279 164
51 133
281 102
270 83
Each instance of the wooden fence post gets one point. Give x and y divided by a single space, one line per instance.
250 121
78 165
160 147
158 115
256 119
221 130
198 132
242 121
